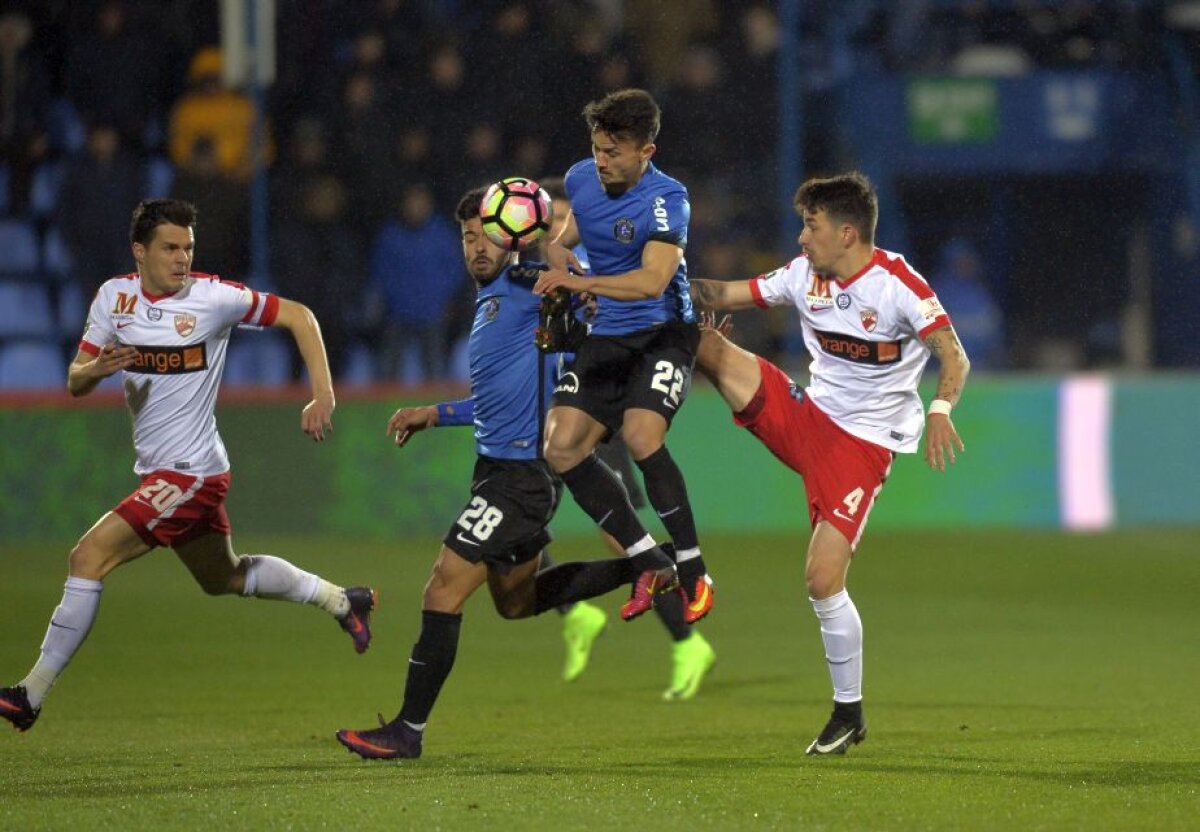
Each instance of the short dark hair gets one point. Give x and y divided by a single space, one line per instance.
555 186
151 213
625 114
848 198
468 205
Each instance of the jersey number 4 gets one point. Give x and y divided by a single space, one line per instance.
480 519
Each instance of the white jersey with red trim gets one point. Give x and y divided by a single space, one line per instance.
181 340
865 335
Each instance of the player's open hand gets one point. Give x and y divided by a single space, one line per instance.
409 420
317 418
552 279
112 357
940 441
708 320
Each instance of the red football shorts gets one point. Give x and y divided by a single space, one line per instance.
842 473
170 508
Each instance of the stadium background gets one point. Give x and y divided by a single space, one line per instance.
1038 162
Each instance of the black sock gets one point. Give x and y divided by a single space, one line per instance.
669 607
667 492
578 581
600 494
548 562
431 662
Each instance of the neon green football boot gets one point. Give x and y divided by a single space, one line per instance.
581 627
694 657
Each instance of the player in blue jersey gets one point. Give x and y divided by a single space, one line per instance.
499 536
692 656
634 369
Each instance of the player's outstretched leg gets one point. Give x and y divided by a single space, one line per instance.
667 492
582 625
15 707
273 578
846 727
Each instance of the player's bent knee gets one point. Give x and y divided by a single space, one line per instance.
562 457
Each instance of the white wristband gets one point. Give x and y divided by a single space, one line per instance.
940 406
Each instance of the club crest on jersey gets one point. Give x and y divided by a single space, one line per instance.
869 318
154 313
843 300
491 309
623 230
185 324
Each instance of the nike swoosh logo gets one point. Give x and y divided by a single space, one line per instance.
830 746
837 512
668 513
8 706
64 627
414 661
466 540
812 308
124 324
702 599
667 403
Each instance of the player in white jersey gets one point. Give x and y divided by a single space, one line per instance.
870 323
166 328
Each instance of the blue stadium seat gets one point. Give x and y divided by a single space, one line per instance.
26 309
159 177
258 359
359 367
18 248
67 131
44 190
72 309
32 365
56 258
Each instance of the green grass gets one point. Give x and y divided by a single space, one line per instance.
1014 681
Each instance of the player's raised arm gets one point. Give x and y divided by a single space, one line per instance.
660 261
941 438
298 319
87 370
714 295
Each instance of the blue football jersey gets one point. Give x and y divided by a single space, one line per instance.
614 229
504 366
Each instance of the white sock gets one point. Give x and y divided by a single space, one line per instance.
841 630
69 626
643 545
682 555
274 578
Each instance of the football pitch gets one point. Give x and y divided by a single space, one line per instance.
1013 681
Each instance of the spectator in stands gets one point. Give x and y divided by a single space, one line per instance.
225 219
318 261
208 111
97 236
104 57
24 91
416 268
365 136
978 319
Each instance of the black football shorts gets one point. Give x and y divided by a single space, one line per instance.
504 522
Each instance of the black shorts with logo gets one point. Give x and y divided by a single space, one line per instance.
650 369
504 523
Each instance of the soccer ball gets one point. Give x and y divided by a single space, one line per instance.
515 213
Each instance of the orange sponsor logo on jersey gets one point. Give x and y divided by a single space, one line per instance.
857 349
125 304
170 360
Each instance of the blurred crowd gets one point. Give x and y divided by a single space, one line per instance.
384 111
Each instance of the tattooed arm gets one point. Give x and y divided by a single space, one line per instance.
940 436
710 295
